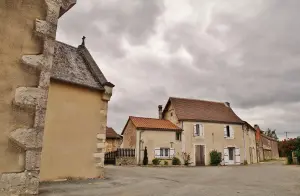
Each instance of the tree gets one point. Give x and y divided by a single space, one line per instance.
271 133
145 160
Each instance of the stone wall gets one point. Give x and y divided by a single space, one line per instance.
28 31
125 161
129 136
112 144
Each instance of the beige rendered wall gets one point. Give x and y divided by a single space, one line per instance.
158 139
129 136
73 120
171 115
213 139
17 18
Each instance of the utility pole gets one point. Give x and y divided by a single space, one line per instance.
286 136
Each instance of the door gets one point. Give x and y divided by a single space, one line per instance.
231 155
200 155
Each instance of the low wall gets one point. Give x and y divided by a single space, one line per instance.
125 161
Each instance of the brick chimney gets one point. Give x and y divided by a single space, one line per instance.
160 111
257 134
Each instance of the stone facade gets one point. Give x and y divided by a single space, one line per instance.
125 161
30 98
267 147
112 144
129 136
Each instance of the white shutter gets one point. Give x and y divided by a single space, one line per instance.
201 130
157 152
237 156
226 156
225 131
172 152
231 132
195 130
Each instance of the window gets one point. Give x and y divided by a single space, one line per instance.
164 152
171 113
178 136
198 130
228 132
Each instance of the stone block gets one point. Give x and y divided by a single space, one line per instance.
99 155
44 28
28 96
25 183
101 136
100 145
33 160
27 138
35 61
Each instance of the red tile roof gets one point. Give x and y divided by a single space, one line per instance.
110 133
201 110
153 123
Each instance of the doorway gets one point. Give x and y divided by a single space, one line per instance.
200 155
231 155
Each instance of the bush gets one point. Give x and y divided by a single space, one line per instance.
145 160
176 161
186 158
166 163
215 157
289 160
156 161
245 162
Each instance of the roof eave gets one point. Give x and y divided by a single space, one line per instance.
212 121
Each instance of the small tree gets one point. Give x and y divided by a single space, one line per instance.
145 160
156 161
215 157
186 158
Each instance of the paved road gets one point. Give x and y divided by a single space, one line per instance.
265 179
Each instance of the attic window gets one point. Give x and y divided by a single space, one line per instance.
171 113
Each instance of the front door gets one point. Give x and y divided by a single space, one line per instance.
231 156
200 155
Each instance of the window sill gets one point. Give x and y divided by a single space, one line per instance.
229 138
164 158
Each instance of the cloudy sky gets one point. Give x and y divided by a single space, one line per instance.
245 52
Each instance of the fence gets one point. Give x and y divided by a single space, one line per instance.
110 157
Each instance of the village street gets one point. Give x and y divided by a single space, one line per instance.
264 179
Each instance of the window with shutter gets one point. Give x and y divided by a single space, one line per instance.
157 152
231 132
172 152
198 130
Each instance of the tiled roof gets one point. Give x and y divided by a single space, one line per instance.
110 133
201 110
153 123
76 66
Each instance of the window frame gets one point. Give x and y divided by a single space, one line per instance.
200 130
177 133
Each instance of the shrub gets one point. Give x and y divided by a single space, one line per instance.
215 157
186 158
245 162
297 154
155 161
176 161
166 163
145 160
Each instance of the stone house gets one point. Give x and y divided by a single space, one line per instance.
54 99
208 126
267 147
161 137
113 140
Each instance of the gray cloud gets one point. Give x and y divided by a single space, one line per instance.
245 52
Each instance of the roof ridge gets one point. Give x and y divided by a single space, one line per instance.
147 118
194 99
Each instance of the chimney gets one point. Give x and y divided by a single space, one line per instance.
257 134
227 104
160 111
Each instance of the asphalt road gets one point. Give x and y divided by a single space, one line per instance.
264 179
